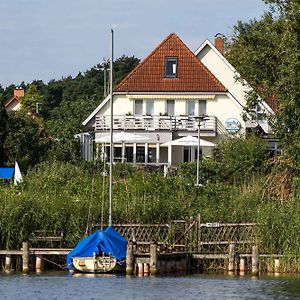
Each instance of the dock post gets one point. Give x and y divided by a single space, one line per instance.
140 269
129 259
231 257
242 266
146 269
277 266
255 260
38 264
7 263
25 257
153 258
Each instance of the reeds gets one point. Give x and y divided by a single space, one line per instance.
65 197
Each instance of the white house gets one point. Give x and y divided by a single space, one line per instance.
171 94
14 103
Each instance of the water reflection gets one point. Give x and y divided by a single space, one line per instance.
62 285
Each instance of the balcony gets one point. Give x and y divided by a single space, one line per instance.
157 123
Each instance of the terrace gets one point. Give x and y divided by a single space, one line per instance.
157 123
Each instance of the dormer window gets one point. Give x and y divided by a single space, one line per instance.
171 67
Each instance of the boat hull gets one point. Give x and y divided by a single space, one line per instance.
98 264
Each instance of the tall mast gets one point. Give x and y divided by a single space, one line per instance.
111 129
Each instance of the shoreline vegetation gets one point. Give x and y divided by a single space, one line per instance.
241 183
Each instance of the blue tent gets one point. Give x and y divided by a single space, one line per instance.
108 241
6 173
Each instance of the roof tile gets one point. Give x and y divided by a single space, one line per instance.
149 75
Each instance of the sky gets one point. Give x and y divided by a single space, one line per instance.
51 39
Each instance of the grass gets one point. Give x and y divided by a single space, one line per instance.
66 197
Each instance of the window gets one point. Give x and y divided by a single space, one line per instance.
171 67
202 107
274 148
190 109
170 107
149 107
260 114
138 107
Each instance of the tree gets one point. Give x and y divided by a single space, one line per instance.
53 96
3 129
32 99
67 103
267 55
24 141
124 65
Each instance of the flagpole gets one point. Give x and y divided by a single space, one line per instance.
111 130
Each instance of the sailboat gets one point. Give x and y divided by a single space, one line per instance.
104 250
101 252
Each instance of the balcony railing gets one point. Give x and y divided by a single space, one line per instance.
150 123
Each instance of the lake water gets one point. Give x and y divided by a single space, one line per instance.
66 286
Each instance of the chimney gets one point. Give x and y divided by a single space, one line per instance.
19 92
219 42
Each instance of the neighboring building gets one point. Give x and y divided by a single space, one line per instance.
14 102
167 96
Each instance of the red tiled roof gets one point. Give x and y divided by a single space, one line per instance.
272 101
149 75
270 98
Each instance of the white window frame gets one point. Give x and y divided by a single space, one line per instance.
134 107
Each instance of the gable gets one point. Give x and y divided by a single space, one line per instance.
191 74
12 104
227 74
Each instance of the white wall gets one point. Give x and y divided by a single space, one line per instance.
223 72
222 106
13 106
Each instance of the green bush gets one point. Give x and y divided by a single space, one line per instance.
65 196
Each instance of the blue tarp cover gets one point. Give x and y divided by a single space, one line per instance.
108 241
6 173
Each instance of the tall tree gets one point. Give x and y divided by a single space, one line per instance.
267 55
3 129
24 142
32 99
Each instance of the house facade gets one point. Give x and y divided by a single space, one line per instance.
14 103
174 93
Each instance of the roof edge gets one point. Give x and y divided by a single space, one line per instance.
95 111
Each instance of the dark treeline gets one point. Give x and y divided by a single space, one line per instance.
52 114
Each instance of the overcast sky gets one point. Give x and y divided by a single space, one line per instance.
51 39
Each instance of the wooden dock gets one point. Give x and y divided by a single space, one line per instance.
180 246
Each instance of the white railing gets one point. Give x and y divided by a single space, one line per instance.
181 123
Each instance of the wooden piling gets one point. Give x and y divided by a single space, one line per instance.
38 264
140 269
146 269
277 266
242 266
153 258
231 258
25 257
7 266
130 259
255 260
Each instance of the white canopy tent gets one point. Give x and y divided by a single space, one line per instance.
122 137
188 141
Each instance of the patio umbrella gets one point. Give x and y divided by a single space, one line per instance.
189 141
122 137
